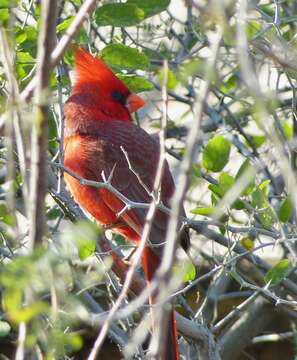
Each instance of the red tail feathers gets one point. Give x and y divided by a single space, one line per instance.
150 263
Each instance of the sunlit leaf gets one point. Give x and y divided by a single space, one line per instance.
247 243
187 269
229 84
121 14
125 57
171 79
84 234
63 26
226 182
285 211
27 313
151 7
279 272
216 153
206 211
8 3
288 129
136 84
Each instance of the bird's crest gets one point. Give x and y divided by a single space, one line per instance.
90 69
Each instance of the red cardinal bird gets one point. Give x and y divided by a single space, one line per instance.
98 125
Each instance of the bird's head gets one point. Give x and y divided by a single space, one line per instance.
103 88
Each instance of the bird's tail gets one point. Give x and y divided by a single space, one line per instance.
150 263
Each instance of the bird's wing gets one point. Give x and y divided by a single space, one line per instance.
131 156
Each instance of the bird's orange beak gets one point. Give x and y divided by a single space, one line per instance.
134 103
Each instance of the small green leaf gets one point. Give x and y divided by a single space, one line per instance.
216 153
136 84
64 25
119 15
5 215
53 213
84 234
247 243
4 328
150 7
206 211
190 271
258 140
261 204
187 269
27 313
24 57
171 79
253 29
279 272
226 182
8 3
216 190
286 210
288 129
72 342
264 186
21 36
4 16
125 57
229 84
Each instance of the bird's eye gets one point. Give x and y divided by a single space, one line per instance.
119 97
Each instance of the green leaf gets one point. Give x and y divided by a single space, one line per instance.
288 129
216 153
5 215
21 36
63 26
187 269
206 211
229 84
4 328
261 204
24 58
8 3
54 213
226 182
4 16
27 313
119 15
151 7
286 210
253 29
247 243
125 57
264 186
258 140
279 272
171 79
84 234
72 342
216 190
136 84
